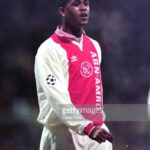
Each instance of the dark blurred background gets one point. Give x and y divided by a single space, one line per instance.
121 28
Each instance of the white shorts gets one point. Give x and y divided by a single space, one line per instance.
62 138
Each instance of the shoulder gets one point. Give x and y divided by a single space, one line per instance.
97 47
45 47
48 48
95 43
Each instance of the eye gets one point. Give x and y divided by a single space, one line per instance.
75 4
86 2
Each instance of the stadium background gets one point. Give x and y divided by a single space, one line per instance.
121 27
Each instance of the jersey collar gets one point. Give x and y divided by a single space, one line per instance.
64 34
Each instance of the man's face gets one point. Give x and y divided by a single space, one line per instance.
77 12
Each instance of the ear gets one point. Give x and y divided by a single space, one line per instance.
61 11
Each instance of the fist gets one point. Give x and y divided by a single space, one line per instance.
100 135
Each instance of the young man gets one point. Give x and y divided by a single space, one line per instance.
67 76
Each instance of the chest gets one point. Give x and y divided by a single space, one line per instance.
84 60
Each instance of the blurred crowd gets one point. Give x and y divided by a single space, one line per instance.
122 29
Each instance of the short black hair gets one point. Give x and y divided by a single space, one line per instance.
61 3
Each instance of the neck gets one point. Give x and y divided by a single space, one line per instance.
76 31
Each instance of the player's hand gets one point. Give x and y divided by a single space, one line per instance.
101 135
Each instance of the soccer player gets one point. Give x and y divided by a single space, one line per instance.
67 72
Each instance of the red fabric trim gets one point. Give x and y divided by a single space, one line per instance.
88 129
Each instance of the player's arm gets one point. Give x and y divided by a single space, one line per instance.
97 133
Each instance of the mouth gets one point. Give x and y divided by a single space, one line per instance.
84 15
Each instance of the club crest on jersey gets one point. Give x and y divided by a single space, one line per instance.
86 69
51 80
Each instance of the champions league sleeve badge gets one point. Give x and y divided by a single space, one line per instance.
51 80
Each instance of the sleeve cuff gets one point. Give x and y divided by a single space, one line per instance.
88 128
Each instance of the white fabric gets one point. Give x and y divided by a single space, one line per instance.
61 138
